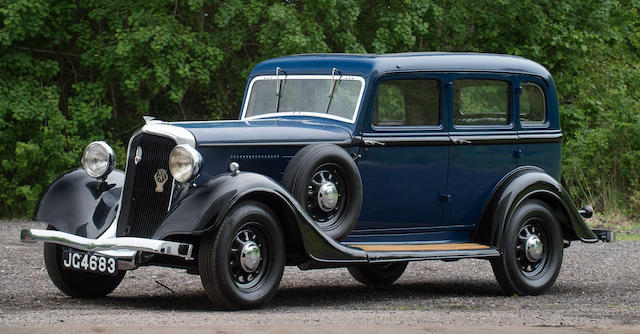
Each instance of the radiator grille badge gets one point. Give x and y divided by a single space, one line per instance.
138 156
161 178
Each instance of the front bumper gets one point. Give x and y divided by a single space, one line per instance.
171 248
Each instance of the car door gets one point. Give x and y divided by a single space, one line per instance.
403 161
483 145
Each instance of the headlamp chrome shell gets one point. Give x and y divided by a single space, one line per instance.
184 163
98 159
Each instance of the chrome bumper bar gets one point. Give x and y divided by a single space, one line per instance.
96 245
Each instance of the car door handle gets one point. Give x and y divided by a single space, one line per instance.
460 141
370 142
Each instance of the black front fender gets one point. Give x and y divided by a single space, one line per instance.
204 207
79 204
521 184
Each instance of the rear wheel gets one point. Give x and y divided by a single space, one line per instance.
378 273
241 263
533 248
77 283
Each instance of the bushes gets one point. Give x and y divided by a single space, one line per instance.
602 148
75 71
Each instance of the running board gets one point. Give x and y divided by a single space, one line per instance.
416 252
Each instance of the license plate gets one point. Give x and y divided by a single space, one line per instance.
89 262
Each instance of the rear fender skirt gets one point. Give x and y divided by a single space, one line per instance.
204 207
79 204
519 185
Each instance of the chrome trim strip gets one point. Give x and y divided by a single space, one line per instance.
284 143
529 136
179 249
463 138
303 113
488 138
409 140
179 134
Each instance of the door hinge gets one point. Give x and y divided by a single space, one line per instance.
444 198
371 142
460 141
517 153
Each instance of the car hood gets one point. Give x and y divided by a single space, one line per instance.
266 132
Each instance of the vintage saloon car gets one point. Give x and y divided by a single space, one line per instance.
358 161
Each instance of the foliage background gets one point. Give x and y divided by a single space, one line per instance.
76 71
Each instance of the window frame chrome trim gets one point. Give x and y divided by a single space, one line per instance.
545 122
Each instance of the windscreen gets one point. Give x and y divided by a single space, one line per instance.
336 97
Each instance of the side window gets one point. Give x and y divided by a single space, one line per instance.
480 102
413 102
532 106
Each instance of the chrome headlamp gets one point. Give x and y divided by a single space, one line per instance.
184 163
98 159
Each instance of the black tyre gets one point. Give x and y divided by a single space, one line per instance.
532 253
379 273
325 180
241 263
77 283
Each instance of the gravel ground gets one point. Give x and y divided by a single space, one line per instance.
599 285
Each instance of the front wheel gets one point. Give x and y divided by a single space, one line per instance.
378 273
241 263
77 283
533 248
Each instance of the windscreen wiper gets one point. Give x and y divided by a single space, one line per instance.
279 86
332 88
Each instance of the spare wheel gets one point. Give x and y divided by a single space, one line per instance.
325 180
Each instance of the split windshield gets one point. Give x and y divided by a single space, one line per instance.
321 96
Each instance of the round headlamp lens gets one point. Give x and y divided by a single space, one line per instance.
98 159
184 163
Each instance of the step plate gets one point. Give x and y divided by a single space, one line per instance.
416 252
417 248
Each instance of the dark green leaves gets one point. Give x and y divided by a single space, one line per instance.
75 71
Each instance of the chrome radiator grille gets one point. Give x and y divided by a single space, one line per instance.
145 201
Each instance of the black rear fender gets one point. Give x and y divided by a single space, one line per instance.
79 204
528 183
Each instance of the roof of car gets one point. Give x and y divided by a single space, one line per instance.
371 64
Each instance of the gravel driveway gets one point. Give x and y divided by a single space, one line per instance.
599 285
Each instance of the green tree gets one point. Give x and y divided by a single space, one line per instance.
77 71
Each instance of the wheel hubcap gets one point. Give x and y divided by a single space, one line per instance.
250 257
531 253
533 248
328 196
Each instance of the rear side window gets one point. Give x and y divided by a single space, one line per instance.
407 103
532 106
480 102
